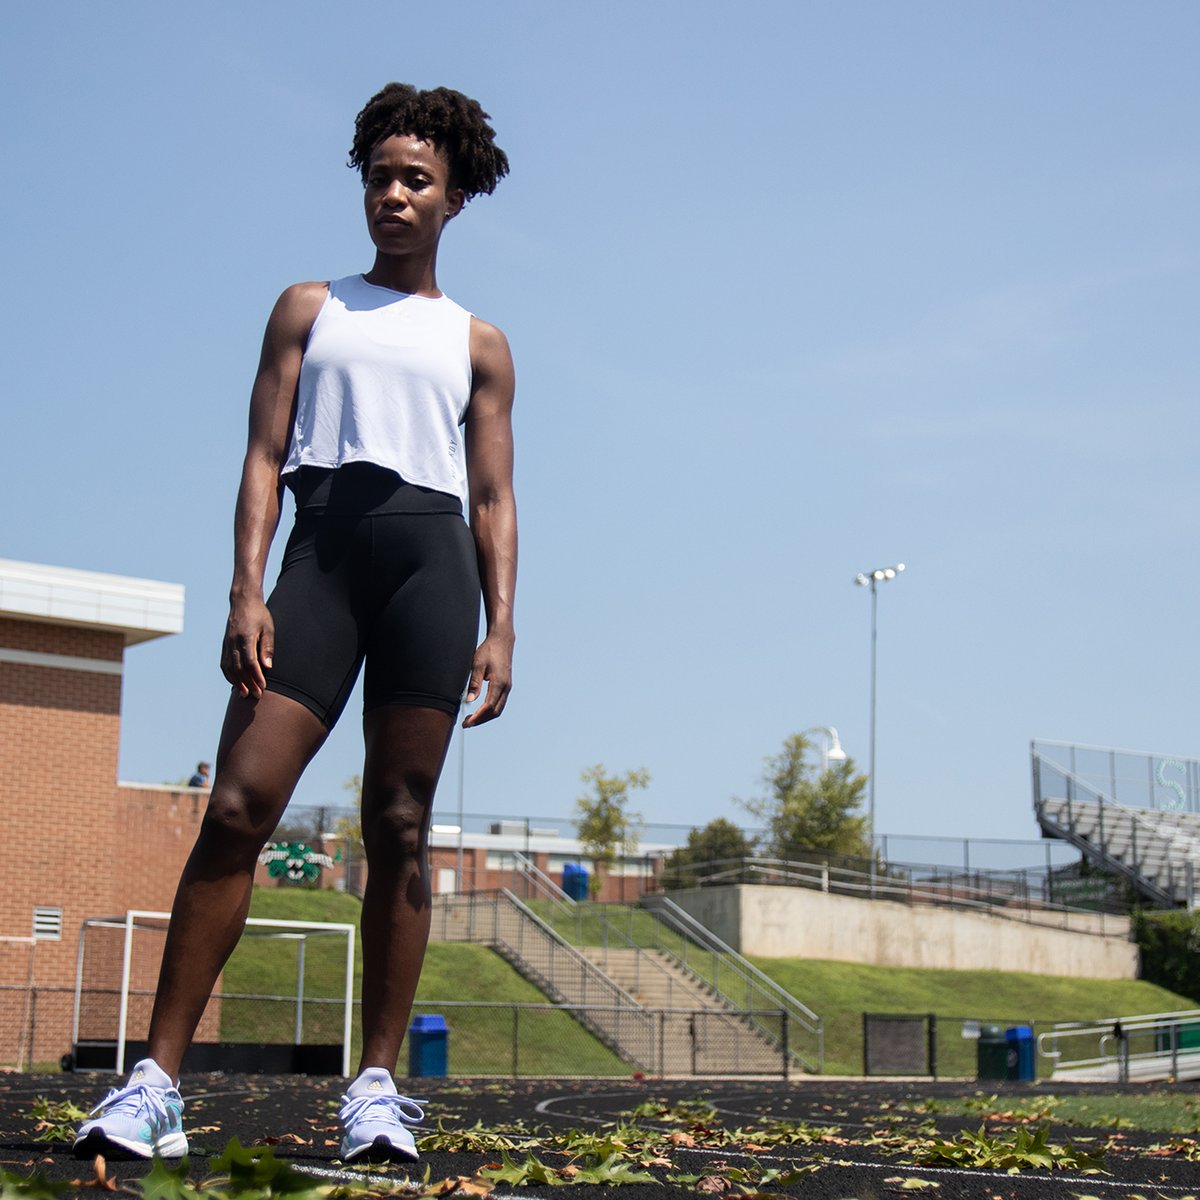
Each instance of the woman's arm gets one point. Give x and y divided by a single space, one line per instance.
493 513
250 633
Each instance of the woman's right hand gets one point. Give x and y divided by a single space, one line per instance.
248 647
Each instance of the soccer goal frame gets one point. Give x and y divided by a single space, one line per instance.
141 918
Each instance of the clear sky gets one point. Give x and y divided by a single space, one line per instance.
794 289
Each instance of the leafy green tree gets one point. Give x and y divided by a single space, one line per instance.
809 809
351 827
719 840
605 824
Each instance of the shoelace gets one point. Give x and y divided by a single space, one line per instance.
132 1097
406 1109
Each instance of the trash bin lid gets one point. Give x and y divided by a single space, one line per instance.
1019 1033
429 1023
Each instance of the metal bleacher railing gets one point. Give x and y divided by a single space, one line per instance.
1156 849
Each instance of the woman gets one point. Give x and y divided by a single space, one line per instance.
377 401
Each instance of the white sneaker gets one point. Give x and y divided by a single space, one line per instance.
376 1119
143 1118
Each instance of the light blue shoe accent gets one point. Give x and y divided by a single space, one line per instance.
376 1119
142 1119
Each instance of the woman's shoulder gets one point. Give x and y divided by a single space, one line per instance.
491 357
487 337
297 307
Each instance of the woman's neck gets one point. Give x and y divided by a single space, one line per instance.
403 275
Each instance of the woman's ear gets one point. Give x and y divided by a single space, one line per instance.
455 199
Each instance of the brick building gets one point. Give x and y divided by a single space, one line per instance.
68 825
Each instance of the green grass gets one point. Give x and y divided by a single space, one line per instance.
481 1040
1148 1111
842 992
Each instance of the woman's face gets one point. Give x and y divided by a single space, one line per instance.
407 196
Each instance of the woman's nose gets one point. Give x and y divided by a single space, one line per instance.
394 194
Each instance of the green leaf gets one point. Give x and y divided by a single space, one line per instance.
516 1174
613 1171
35 1187
259 1173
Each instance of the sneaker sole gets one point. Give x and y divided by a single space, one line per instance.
172 1145
380 1151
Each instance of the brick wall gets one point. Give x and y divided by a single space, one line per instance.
78 841
58 764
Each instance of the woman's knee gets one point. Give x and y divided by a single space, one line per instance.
396 831
237 822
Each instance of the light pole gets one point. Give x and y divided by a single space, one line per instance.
872 580
832 752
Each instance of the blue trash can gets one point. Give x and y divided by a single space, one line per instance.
575 880
428 1046
1021 1064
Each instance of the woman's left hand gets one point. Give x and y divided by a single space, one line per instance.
493 666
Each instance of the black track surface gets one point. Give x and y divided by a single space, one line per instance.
297 1117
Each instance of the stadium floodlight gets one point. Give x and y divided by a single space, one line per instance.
871 579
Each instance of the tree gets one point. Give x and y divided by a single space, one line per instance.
605 824
807 809
351 827
719 840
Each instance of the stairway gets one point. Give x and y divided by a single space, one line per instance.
648 1009
700 1033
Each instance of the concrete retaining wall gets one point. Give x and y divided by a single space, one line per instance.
789 922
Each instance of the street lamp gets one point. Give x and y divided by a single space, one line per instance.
832 752
872 580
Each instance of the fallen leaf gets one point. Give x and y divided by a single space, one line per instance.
99 1178
682 1139
289 1139
714 1184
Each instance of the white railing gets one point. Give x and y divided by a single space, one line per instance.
1123 1049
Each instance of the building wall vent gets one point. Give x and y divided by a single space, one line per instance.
47 924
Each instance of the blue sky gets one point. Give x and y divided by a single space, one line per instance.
795 290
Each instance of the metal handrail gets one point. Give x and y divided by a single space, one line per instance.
1014 903
560 970
1112 1038
543 882
667 912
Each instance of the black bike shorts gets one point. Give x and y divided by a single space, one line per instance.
377 571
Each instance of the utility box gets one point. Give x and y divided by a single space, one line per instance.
1021 1064
991 1053
428 1047
575 880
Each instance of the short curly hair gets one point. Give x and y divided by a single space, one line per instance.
447 119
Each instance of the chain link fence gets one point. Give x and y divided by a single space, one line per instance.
525 1039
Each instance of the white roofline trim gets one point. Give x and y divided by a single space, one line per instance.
62 662
141 609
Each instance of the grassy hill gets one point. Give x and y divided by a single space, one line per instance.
841 992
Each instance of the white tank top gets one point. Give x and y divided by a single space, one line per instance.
385 379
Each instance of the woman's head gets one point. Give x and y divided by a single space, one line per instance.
453 123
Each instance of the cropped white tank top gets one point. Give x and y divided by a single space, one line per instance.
385 379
